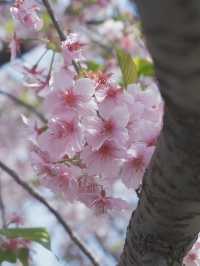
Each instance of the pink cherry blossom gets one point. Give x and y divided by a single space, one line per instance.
103 203
105 161
138 158
59 178
193 256
127 43
88 189
76 98
144 131
63 136
103 80
24 11
110 126
149 96
62 180
62 78
35 78
15 244
16 219
72 48
109 97
40 160
33 128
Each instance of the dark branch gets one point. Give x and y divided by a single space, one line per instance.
56 25
58 29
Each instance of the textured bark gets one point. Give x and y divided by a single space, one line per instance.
167 219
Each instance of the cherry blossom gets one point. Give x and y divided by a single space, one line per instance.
103 203
88 189
138 157
107 127
25 12
193 256
72 48
15 244
105 161
62 180
16 219
111 29
109 97
63 136
71 97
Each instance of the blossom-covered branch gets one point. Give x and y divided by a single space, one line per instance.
58 217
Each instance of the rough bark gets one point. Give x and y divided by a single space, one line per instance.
167 219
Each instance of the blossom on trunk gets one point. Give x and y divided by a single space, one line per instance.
193 256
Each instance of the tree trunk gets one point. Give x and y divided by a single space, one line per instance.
167 220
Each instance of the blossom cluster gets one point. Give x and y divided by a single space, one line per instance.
97 133
25 13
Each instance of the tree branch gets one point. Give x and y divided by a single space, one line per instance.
58 217
56 25
25 105
58 29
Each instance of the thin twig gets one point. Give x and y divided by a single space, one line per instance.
51 65
40 58
59 218
56 25
2 207
58 29
25 105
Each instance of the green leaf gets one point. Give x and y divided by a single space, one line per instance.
144 67
12 256
46 20
127 66
23 255
8 255
93 66
10 26
39 235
